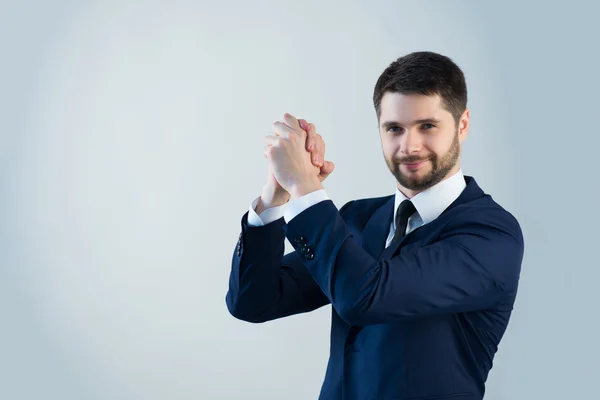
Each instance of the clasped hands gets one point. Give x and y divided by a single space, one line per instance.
295 152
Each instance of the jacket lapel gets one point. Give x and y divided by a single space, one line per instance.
377 228
391 249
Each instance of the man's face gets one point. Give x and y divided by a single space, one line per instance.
421 141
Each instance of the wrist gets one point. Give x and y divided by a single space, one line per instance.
305 187
271 197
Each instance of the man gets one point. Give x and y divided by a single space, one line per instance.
422 283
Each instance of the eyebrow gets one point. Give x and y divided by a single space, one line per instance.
388 124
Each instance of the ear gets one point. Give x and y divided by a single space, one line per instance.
463 125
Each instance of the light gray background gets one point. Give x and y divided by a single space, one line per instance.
131 145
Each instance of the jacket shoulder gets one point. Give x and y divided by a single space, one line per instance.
485 211
362 209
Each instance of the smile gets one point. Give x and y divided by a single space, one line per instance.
415 165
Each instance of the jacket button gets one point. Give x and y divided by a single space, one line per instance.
300 239
305 249
309 256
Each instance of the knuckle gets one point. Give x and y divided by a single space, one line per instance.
297 135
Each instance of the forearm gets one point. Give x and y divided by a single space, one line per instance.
255 270
342 280
472 268
264 284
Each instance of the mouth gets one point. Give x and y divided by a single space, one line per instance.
413 166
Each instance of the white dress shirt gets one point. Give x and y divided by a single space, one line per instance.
429 204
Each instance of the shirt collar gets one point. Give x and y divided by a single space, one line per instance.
431 202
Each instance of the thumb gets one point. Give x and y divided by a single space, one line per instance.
327 168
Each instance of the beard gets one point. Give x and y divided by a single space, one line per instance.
440 168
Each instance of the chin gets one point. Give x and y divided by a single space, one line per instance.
415 173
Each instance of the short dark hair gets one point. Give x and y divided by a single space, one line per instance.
426 73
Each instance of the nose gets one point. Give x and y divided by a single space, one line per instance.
410 142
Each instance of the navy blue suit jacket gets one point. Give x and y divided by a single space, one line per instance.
421 319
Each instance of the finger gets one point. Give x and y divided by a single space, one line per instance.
304 124
317 146
319 151
327 168
281 129
273 141
291 121
311 138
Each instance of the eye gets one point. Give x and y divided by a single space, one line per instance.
427 126
394 129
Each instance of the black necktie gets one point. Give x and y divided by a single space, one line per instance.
405 210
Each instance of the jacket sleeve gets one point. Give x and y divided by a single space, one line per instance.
264 284
474 265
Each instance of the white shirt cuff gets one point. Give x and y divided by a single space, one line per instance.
298 205
267 216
